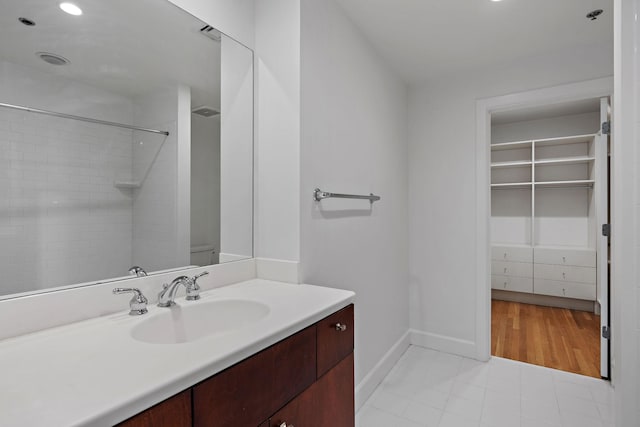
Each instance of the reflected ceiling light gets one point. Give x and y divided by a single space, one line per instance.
496 0
71 9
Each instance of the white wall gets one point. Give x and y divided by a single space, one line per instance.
62 221
442 176
278 129
625 199
354 133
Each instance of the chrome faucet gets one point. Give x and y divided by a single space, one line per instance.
137 271
167 295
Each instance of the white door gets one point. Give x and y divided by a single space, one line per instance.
602 217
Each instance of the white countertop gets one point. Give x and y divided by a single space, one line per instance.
94 373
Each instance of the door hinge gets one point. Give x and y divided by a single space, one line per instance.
606 230
606 333
606 128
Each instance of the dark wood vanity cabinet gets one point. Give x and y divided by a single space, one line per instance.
173 412
305 380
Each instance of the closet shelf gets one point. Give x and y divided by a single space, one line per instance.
516 145
565 161
516 164
511 185
564 184
575 139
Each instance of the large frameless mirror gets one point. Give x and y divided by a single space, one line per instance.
126 139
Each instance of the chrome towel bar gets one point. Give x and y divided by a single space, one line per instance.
319 195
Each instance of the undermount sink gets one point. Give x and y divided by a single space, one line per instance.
192 321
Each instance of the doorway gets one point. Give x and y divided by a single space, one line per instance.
546 257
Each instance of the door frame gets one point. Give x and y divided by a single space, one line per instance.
596 88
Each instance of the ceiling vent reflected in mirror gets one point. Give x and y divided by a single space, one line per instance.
205 111
211 33
52 58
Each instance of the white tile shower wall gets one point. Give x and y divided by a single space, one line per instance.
62 220
155 221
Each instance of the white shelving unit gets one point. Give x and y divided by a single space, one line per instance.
544 216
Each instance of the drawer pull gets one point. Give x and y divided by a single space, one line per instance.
341 327
505 255
564 275
505 285
564 259
505 269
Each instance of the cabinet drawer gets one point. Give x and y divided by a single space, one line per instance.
511 283
505 268
335 339
580 258
320 405
586 291
246 394
565 273
512 253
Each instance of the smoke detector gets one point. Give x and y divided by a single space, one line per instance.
205 111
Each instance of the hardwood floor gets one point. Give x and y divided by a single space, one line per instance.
553 337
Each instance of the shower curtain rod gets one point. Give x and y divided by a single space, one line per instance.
82 119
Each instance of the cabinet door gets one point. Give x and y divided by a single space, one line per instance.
248 393
173 412
327 403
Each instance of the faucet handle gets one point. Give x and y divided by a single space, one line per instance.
197 276
138 303
193 289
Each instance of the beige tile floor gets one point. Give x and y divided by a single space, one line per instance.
431 388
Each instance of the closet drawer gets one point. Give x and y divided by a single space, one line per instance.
564 273
586 291
505 268
580 258
512 253
509 283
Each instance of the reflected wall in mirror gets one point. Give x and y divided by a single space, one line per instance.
140 153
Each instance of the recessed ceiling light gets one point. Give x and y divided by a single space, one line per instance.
26 21
52 58
71 9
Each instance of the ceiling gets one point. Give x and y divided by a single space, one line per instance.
426 39
123 46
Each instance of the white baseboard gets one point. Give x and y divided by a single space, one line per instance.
278 269
365 388
444 343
